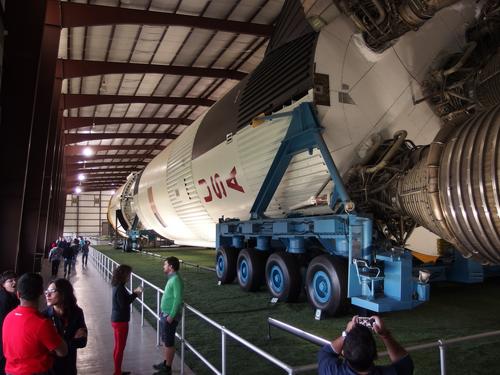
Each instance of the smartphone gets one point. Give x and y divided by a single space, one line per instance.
366 321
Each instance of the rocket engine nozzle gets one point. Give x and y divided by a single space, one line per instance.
454 189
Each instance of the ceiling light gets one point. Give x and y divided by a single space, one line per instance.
113 192
87 151
81 177
78 190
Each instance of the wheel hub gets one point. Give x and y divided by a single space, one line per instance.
277 279
322 287
244 271
220 266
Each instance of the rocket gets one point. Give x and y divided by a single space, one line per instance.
407 98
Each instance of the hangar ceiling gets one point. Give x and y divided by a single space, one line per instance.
136 73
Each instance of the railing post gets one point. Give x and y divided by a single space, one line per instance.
183 332
158 318
442 356
142 303
223 348
132 291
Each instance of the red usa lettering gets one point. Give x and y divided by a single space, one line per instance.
216 185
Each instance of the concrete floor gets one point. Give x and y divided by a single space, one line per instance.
94 297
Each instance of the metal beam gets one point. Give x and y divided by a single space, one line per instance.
75 15
82 68
81 122
106 164
107 170
76 138
96 182
91 189
93 175
78 150
84 100
120 176
101 183
99 173
73 159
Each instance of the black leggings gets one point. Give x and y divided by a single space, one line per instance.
55 267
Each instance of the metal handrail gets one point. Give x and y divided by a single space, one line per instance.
106 265
212 269
317 340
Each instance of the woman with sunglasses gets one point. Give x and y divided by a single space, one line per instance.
8 301
69 321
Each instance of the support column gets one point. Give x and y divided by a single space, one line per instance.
19 84
51 163
30 252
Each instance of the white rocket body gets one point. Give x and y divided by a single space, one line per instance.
182 198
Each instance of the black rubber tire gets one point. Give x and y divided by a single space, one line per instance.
250 269
331 274
283 276
225 264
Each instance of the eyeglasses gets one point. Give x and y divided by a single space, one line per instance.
50 291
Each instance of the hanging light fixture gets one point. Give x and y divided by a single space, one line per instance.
87 151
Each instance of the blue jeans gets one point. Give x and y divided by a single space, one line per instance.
67 265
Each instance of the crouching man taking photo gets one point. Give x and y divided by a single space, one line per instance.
355 351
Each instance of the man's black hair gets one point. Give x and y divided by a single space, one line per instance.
359 348
30 286
174 262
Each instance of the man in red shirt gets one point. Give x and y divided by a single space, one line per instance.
28 338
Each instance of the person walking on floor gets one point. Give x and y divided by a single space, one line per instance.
55 256
171 305
69 321
85 253
29 339
8 302
75 247
67 255
120 313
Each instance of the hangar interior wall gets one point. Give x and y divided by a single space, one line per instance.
86 214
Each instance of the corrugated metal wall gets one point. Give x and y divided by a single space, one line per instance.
86 213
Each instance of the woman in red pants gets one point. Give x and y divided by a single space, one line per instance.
120 314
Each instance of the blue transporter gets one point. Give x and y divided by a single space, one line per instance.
338 256
335 251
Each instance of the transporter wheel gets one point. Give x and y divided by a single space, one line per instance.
283 276
225 264
250 269
326 284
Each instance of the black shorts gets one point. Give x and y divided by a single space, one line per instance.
167 331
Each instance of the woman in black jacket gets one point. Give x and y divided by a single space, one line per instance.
69 321
120 314
8 301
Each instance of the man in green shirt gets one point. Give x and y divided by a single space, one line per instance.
171 306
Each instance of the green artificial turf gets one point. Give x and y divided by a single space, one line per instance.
455 310
191 255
